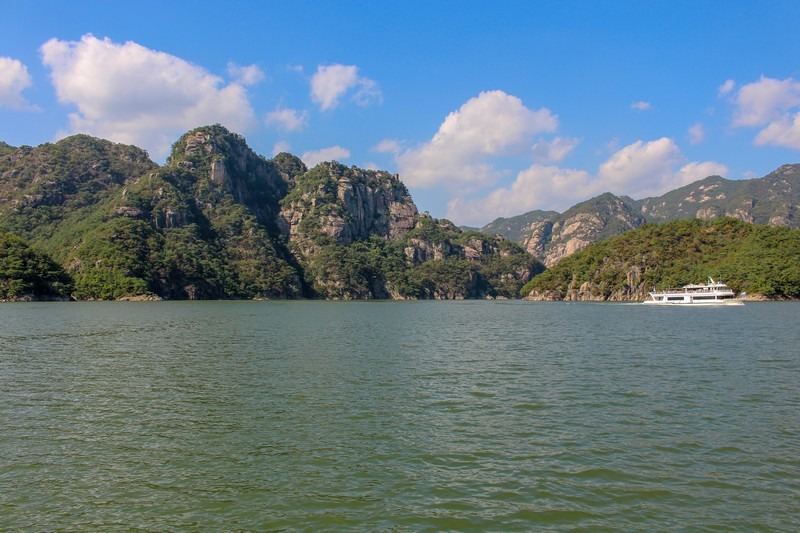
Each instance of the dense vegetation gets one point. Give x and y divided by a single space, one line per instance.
214 222
433 260
27 273
750 258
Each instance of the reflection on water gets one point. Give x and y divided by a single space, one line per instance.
398 416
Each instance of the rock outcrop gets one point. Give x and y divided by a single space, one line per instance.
601 217
346 205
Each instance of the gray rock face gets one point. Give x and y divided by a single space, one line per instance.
633 290
599 218
384 211
230 163
420 250
348 204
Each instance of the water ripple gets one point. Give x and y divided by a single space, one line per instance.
413 416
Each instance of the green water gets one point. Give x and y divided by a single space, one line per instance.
398 416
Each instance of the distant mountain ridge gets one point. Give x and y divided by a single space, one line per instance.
772 200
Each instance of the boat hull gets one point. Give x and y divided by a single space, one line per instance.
712 303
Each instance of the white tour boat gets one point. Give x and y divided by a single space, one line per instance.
712 293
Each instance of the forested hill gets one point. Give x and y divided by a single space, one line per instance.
219 221
763 261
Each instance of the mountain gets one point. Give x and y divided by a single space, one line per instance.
219 221
771 200
42 187
591 221
757 259
517 228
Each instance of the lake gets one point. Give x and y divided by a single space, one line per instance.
399 416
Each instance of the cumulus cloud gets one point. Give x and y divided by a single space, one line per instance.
697 134
726 88
331 82
132 94
691 172
555 150
766 100
332 153
774 106
248 75
387 146
534 188
784 131
14 79
642 106
640 169
492 124
287 119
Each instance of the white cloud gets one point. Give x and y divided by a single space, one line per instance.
766 100
537 187
249 75
555 150
287 119
726 88
642 168
697 134
784 131
642 106
639 170
367 93
493 124
331 82
691 172
387 146
332 153
14 79
774 106
131 94
281 146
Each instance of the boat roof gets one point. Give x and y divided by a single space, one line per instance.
711 283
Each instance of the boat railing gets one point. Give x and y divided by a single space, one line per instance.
693 290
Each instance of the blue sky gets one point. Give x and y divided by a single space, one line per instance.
485 109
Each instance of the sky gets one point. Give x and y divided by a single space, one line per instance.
484 109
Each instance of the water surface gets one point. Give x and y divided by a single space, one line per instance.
399 416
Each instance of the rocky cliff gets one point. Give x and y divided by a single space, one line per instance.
591 221
346 205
